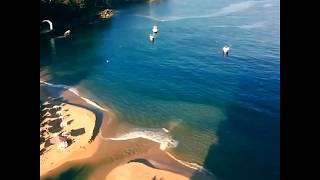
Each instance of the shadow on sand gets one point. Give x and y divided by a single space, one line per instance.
55 126
77 132
143 161
76 172
98 121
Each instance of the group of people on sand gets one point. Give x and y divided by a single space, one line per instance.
57 108
61 139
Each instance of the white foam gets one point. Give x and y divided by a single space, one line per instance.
93 103
54 85
191 165
156 135
59 37
74 91
254 25
69 88
166 130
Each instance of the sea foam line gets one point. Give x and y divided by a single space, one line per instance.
254 25
160 136
74 91
93 103
191 165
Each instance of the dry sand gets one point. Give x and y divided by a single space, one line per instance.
81 123
139 171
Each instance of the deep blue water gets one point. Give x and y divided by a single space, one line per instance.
227 108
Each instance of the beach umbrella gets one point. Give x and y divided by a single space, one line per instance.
65 134
56 107
46 103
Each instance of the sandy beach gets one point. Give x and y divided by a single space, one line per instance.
80 124
106 157
139 171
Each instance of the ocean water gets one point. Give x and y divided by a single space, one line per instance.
223 111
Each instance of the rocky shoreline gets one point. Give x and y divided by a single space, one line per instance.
68 14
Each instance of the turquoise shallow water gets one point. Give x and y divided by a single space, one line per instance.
226 110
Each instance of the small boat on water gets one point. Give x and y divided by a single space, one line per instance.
67 33
155 29
225 50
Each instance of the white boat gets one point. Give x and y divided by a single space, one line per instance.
151 37
67 33
155 29
225 50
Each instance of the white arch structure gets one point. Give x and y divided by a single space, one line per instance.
49 22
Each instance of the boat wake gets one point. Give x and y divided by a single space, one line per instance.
230 9
254 25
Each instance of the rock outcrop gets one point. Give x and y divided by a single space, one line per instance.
66 14
105 14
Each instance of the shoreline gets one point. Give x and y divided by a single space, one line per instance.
107 126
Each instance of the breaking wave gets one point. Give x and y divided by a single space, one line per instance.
74 91
160 136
